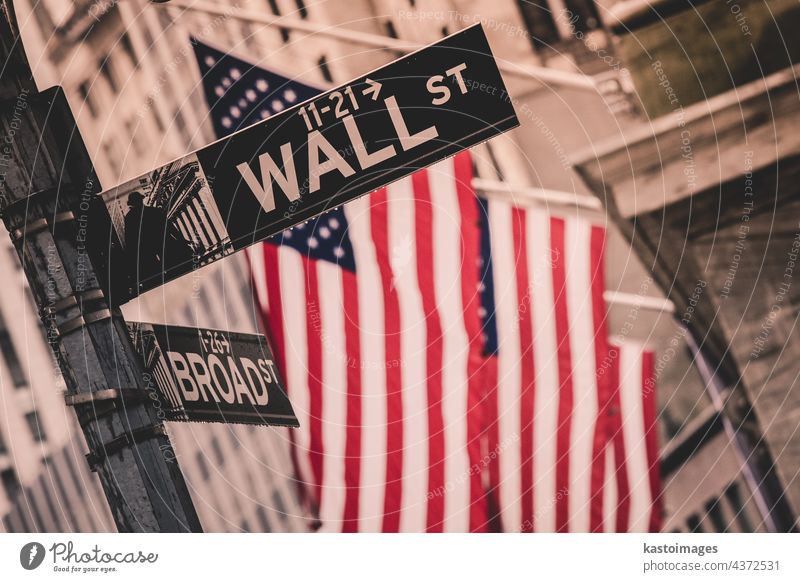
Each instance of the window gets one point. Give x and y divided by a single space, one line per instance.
540 23
164 19
273 5
391 32
132 127
156 118
277 501
104 65
219 457
301 7
180 123
127 46
32 418
10 356
188 314
148 37
584 13
201 464
108 152
207 308
324 69
83 89
10 482
248 35
262 519
235 442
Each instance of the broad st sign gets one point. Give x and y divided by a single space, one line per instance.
291 167
212 376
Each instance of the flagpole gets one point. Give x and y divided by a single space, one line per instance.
527 194
639 301
544 74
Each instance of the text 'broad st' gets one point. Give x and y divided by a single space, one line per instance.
212 375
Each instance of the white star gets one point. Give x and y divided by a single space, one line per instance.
277 105
235 73
313 243
250 94
242 103
290 95
301 226
226 82
333 223
338 252
226 122
264 114
482 311
481 287
219 91
235 112
324 232
262 85
210 61
287 234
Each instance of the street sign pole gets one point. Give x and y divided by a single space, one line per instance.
45 173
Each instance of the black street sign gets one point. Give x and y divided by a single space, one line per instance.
212 376
291 167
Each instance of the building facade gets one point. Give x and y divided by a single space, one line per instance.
128 70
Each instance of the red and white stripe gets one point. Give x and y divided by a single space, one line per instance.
632 501
400 415
381 365
554 402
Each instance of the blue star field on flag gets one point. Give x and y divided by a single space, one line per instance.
241 94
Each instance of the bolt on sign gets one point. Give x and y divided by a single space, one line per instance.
210 375
291 167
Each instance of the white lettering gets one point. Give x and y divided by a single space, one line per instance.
456 72
216 367
239 385
269 170
407 141
316 144
204 382
185 380
434 87
252 373
365 159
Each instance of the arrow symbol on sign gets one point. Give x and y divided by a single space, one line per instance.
374 89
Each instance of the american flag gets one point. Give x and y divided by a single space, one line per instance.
570 421
447 355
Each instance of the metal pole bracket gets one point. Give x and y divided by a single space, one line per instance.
90 406
126 439
39 224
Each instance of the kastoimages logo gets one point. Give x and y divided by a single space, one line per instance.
31 555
